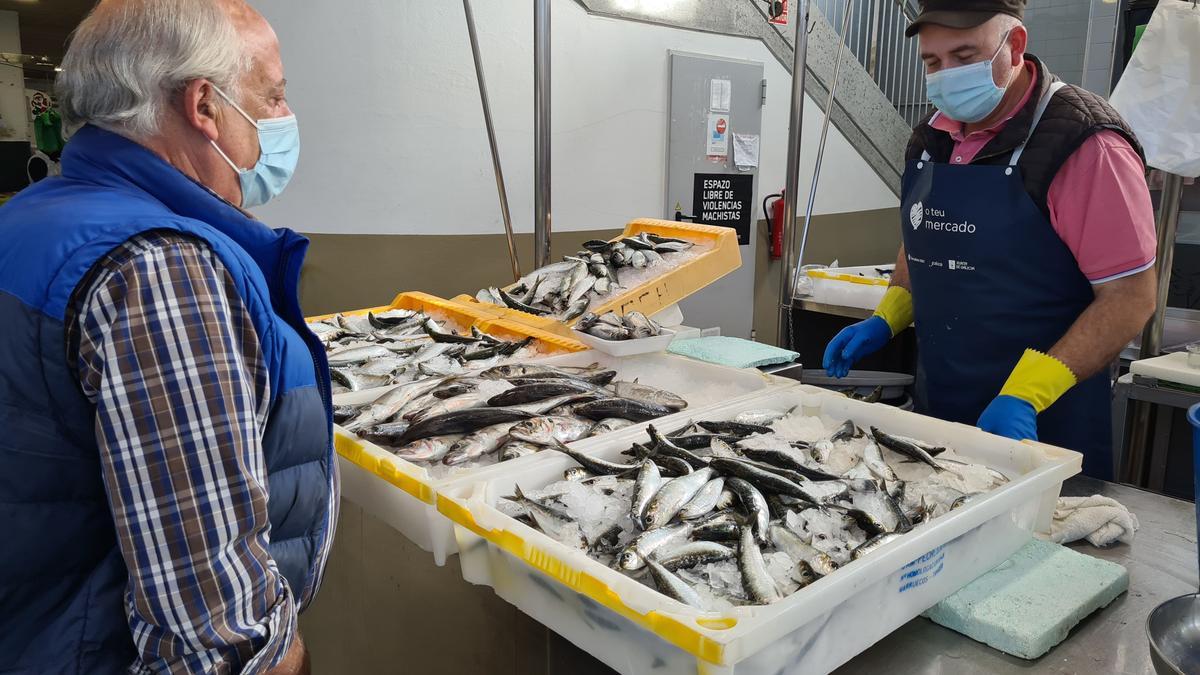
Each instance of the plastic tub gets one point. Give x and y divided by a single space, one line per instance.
649 297
403 494
863 381
650 345
636 630
861 287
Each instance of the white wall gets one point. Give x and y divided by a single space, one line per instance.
13 107
393 135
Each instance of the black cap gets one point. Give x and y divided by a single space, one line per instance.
963 13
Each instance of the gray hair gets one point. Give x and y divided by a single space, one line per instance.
128 58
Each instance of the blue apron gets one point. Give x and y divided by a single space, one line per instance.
990 278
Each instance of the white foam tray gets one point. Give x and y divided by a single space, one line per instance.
403 494
636 630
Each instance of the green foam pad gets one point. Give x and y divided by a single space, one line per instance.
731 351
1029 603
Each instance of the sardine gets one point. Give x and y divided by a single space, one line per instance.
734 428
661 445
847 431
722 526
356 355
462 422
652 396
691 554
763 418
755 578
646 485
515 449
609 425
427 449
635 554
672 466
797 549
674 587
540 391
593 464
555 523
759 477
754 504
873 544
705 500
358 381
575 473
873 458
672 497
906 448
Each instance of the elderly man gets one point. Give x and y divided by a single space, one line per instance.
166 470
1029 240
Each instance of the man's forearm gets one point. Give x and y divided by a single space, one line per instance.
1116 315
295 662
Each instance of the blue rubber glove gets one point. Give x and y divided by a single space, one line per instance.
1011 417
853 343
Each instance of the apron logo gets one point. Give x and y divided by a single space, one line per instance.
916 215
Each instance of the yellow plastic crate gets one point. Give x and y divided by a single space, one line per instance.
474 315
658 293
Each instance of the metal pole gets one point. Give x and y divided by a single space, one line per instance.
1133 466
491 133
812 190
873 53
787 288
541 133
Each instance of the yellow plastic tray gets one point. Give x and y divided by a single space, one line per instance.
656 294
849 278
474 315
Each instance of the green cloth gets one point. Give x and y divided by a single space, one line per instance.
731 351
47 132
1137 36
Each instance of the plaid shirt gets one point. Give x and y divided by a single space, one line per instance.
169 355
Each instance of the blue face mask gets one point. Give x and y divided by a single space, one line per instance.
966 93
279 151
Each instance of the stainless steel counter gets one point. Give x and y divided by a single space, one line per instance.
1161 563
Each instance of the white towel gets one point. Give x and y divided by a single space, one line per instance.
1101 520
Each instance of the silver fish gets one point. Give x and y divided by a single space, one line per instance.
553 522
755 505
763 418
357 381
705 500
609 425
575 473
431 449
547 431
357 355
593 464
755 578
873 458
673 496
674 587
515 449
692 553
478 443
797 549
647 394
646 485
872 544
635 554
390 403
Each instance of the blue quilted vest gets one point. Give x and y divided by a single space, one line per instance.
62 578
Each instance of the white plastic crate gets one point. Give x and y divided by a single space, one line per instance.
634 629
403 494
861 287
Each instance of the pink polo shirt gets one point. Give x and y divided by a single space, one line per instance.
1099 203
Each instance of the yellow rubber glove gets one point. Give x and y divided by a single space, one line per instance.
1039 379
896 309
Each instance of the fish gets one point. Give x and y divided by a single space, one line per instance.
461 422
594 464
540 391
555 523
356 355
906 448
609 425
762 418
873 458
633 557
386 433
576 308
872 544
672 466
846 432
515 449
755 578
722 526
636 411
520 306
610 333
704 501
478 443
646 485
672 497
876 512
547 431
550 405
674 587
652 396
431 449
734 428
691 554
531 370
659 444
390 403
440 407
343 413
356 381
797 549
754 504
761 478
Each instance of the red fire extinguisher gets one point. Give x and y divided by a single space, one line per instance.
774 216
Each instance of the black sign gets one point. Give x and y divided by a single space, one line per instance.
724 199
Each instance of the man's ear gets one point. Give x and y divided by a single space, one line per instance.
1019 38
200 107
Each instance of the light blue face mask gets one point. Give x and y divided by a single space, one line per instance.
279 151
966 93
